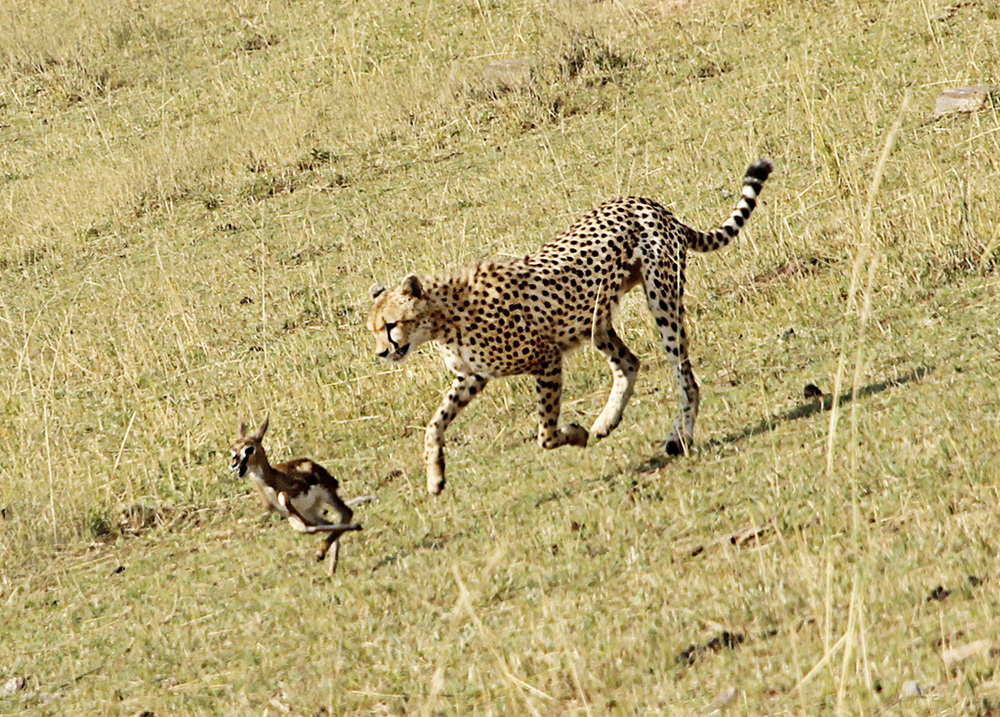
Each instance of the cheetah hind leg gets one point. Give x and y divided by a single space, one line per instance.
681 438
625 367
665 304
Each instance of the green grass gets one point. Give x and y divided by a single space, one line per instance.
194 200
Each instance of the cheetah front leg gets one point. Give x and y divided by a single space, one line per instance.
464 388
550 434
625 368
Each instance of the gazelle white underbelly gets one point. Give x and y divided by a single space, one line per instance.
313 505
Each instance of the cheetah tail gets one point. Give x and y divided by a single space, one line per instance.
756 174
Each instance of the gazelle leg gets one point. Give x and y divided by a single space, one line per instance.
334 558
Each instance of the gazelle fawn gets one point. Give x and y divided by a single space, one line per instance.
301 490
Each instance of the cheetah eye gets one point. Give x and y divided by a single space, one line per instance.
390 326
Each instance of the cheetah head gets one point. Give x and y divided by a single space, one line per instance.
399 319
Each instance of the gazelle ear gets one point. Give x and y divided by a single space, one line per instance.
411 287
376 290
243 429
261 429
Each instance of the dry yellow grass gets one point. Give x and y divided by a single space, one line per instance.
194 199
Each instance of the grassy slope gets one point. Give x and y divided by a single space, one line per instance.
194 202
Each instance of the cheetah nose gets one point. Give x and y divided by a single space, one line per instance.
383 354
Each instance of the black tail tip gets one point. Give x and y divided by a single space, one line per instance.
760 170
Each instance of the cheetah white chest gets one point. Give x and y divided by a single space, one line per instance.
464 360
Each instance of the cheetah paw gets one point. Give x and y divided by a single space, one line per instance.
675 446
602 428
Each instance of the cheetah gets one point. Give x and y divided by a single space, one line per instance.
502 317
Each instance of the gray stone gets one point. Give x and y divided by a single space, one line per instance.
956 655
14 684
723 700
911 688
963 99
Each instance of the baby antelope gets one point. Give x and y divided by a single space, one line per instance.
301 490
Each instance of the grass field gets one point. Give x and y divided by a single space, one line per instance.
194 200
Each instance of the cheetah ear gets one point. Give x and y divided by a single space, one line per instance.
376 290
261 429
411 287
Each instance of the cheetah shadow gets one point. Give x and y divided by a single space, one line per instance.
825 403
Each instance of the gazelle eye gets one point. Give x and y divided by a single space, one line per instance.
248 451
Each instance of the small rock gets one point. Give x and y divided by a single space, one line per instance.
963 99
14 684
954 655
911 688
812 391
938 593
687 655
723 700
725 639
506 75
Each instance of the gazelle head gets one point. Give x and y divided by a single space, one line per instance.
248 451
399 319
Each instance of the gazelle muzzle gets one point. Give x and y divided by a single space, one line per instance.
240 460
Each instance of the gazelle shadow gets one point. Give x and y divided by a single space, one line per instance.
823 403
